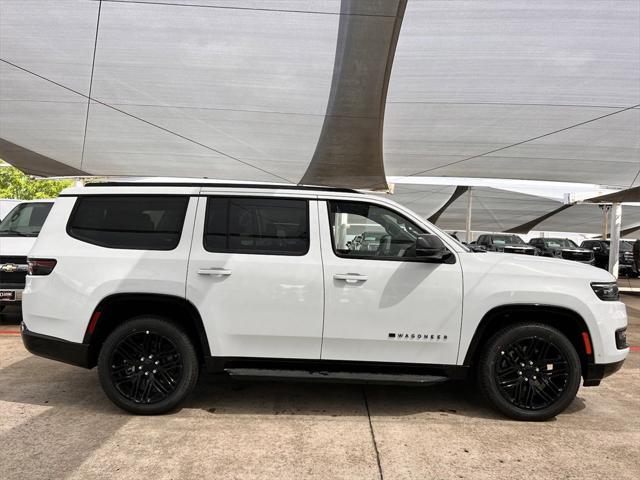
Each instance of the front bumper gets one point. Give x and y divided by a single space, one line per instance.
56 348
597 371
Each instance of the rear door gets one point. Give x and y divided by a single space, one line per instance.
255 275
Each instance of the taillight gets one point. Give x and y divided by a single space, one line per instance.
40 266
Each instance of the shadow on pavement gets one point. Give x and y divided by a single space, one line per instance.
10 315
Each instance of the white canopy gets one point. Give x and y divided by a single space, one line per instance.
285 90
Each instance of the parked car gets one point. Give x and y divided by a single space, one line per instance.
18 232
600 249
505 243
564 248
151 283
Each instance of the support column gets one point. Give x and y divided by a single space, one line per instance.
614 247
605 226
469 201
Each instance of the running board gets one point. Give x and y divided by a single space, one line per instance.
348 377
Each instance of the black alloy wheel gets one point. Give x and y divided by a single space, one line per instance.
529 371
148 365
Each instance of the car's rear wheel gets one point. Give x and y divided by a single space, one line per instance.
147 365
529 371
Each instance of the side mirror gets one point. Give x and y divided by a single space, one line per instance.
596 248
431 249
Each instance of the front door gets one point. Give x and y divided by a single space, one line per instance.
255 275
382 303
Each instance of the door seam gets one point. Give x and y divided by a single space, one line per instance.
193 230
324 293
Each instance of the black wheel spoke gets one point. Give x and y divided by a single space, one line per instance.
146 367
531 373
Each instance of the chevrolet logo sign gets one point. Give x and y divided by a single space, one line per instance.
8 268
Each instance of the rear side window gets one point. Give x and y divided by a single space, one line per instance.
129 221
257 225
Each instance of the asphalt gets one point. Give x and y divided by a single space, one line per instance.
55 423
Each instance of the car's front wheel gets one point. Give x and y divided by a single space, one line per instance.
147 365
529 371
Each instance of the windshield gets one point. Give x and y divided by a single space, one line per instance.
25 220
624 245
559 243
507 239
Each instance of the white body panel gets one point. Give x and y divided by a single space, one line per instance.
61 304
497 279
276 305
261 305
16 246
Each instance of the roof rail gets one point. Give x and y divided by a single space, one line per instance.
316 188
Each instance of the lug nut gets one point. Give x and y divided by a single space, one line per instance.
146 373
157 362
520 372
526 379
537 369
154 371
534 377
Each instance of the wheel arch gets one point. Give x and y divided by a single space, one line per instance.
569 322
118 308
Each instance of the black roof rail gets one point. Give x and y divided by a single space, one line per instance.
315 188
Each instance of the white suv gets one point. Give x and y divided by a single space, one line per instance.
152 282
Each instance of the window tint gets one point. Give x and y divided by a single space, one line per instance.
362 230
25 220
135 221
257 225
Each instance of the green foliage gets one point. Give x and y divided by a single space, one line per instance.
15 184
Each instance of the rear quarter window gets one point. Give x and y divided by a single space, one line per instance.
138 222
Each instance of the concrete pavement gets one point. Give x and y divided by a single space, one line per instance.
56 423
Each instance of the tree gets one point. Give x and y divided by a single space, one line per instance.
15 184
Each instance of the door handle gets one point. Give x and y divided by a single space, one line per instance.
350 277
214 271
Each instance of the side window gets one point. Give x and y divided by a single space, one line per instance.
271 226
363 230
138 222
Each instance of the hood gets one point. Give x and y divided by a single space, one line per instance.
543 267
16 246
571 249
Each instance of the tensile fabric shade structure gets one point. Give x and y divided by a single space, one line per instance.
325 92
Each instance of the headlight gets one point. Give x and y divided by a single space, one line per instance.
606 291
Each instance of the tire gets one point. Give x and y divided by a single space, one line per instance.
147 365
508 378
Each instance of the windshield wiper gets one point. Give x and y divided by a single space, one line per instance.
15 232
